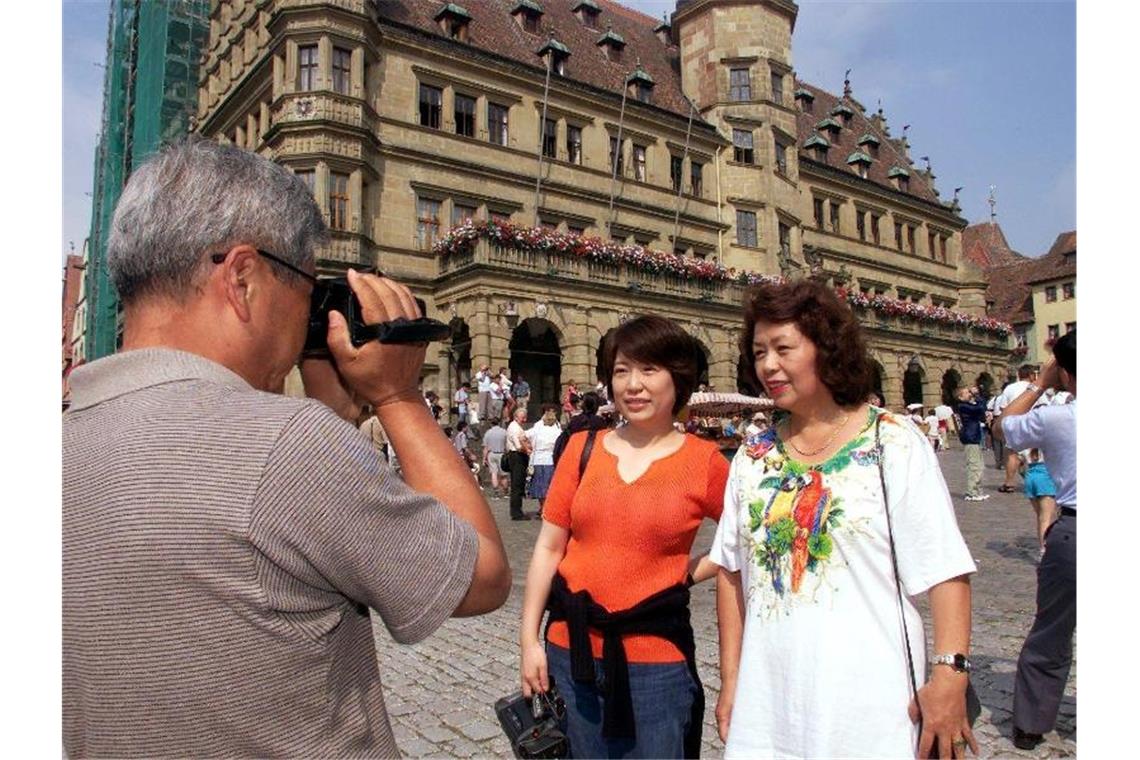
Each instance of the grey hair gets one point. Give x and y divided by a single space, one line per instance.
197 197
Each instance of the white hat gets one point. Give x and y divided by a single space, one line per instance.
911 407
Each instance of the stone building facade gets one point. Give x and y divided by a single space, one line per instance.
585 118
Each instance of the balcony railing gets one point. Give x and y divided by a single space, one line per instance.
612 275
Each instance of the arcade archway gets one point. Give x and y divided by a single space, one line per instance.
537 355
951 380
913 380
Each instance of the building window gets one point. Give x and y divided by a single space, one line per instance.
739 85
1068 290
589 17
861 224
676 171
548 225
643 92
785 233
502 217
530 22
834 216
904 184
309 177
464 115
639 162
341 70
696 177
431 105
1021 340
461 212
1054 332
574 144
942 248
899 235
910 238
1070 326
307 79
746 228
777 87
550 138
427 222
616 162
875 228
497 123
817 210
781 158
338 201
931 239
742 146
1050 294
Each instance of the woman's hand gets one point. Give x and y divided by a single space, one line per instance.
724 710
534 675
943 701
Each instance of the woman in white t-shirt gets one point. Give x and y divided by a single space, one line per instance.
542 437
813 661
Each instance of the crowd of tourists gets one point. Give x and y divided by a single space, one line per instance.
226 546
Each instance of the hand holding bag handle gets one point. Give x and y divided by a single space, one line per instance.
973 704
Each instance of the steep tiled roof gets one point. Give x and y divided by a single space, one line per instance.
848 140
494 30
985 245
1011 285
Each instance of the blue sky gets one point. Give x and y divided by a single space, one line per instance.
989 89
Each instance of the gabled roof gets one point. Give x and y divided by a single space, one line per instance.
817 139
985 245
1060 261
1011 285
451 9
897 171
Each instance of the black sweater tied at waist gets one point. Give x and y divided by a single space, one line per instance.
664 614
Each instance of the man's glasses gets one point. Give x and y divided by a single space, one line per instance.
218 258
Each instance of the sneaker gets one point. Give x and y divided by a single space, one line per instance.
1026 740
976 498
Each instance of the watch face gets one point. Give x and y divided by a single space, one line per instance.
960 662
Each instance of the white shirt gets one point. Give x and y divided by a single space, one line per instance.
484 380
515 435
496 390
1006 397
822 634
931 425
542 438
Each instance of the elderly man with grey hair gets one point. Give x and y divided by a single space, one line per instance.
223 544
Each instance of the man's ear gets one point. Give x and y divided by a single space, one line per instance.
237 279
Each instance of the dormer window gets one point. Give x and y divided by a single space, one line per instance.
830 127
528 15
844 112
612 45
869 144
860 162
587 12
900 178
664 32
559 52
454 20
640 85
805 99
818 146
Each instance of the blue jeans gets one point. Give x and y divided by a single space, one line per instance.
662 696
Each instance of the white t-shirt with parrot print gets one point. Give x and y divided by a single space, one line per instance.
823 667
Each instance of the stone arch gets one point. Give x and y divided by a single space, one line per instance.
459 352
914 377
536 353
985 382
877 375
951 382
704 361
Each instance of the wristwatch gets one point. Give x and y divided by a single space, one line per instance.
958 661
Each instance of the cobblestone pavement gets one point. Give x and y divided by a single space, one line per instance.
440 692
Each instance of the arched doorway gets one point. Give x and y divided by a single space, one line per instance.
703 365
459 352
537 356
985 383
913 380
951 381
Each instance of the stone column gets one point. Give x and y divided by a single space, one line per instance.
324 63
479 325
356 88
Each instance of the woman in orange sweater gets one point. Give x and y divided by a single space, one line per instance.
612 563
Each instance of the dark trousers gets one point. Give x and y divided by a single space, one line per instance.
516 462
1047 654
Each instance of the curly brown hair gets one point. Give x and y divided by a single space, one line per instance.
842 362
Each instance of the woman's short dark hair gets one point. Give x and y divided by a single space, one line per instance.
656 340
842 362
550 408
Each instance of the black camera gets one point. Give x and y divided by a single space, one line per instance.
335 293
532 725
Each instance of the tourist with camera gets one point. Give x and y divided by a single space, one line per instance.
611 563
223 544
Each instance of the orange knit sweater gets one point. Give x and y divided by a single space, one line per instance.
631 540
